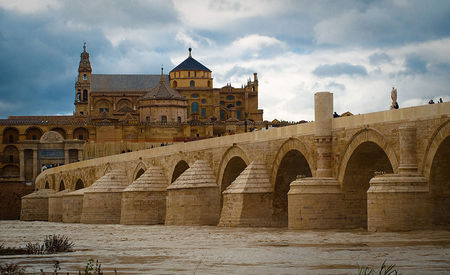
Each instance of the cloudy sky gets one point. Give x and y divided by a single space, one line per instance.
358 50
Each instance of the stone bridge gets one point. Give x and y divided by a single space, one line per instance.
384 171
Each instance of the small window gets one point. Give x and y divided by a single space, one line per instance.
222 115
203 112
34 137
81 113
189 74
195 74
230 97
179 119
106 110
192 83
84 77
194 107
222 103
85 95
194 95
238 103
238 115
147 119
203 101
163 119
174 84
230 106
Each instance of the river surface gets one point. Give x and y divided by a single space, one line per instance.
217 250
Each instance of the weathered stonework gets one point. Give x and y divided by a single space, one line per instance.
193 199
144 201
102 200
73 206
248 200
55 206
35 205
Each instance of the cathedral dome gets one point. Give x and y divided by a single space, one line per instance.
190 64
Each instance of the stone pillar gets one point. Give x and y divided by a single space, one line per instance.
408 152
22 164
316 203
323 110
66 156
398 202
35 163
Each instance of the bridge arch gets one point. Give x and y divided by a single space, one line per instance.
360 137
233 162
179 169
436 139
367 157
139 170
61 185
79 184
436 168
293 158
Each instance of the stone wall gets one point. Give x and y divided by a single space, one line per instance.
10 203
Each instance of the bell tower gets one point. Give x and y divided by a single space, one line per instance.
83 84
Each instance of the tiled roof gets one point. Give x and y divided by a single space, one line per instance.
162 91
190 64
124 82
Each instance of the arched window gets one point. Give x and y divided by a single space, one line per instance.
85 95
78 97
179 119
84 77
238 103
222 115
194 108
203 101
163 119
203 112
230 97
222 103
238 115
192 83
174 84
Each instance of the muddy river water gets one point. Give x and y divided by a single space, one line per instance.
215 250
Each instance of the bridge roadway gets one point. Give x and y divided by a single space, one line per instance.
385 171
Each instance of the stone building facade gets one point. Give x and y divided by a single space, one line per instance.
122 113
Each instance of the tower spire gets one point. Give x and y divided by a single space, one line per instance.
190 50
84 46
162 74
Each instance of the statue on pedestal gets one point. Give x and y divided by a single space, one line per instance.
394 98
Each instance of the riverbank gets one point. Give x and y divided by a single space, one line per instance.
217 250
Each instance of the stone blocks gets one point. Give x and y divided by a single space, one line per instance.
144 201
315 203
398 203
193 199
35 205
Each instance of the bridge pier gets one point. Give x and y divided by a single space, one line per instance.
248 200
193 199
316 203
398 202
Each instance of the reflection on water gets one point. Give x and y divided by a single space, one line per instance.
216 250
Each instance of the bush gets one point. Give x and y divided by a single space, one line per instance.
57 243
384 270
11 269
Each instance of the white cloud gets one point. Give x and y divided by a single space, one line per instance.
30 6
212 14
